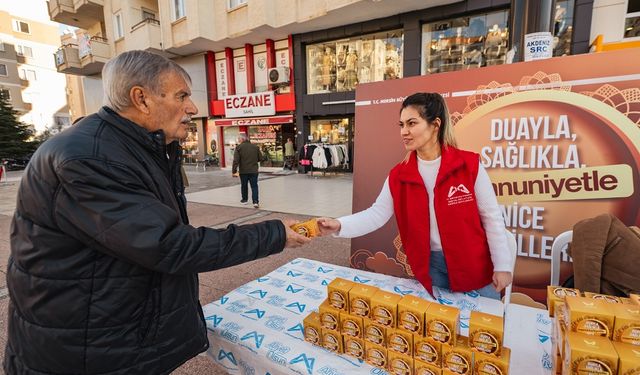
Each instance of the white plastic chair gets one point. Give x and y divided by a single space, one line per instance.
513 247
559 244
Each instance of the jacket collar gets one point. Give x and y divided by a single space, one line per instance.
154 141
449 163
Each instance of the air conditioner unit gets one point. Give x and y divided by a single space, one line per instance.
279 75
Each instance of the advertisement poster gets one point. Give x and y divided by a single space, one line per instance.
559 138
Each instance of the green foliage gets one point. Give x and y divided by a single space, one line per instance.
15 137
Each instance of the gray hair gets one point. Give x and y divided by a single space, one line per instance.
135 68
242 137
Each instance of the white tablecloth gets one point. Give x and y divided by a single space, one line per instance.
257 328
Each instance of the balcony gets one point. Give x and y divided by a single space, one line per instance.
79 13
68 60
145 35
93 52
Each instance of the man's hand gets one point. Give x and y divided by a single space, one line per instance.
235 174
293 239
328 226
501 280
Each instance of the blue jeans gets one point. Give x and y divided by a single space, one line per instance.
440 276
251 178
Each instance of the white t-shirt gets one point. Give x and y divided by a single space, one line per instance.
381 211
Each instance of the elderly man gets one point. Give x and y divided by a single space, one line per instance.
103 274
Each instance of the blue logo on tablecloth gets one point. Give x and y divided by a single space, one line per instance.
402 292
472 294
223 300
324 282
294 274
297 305
291 289
308 362
295 261
259 313
215 319
321 269
255 336
228 355
310 278
315 294
359 280
543 336
260 292
297 327
546 361
276 301
262 279
445 301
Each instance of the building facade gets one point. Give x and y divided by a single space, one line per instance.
329 47
27 73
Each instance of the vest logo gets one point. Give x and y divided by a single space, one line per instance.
460 188
254 335
215 319
458 195
259 313
308 362
260 292
291 289
320 269
262 279
228 355
294 274
299 306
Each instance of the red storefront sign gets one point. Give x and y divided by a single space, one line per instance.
273 120
245 105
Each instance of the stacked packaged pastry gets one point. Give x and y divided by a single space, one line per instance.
594 333
405 334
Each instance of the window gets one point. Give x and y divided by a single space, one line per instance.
632 20
341 65
1 46
5 94
148 14
3 70
562 27
118 28
27 74
236 3
21 26
24 51
465 42
178 9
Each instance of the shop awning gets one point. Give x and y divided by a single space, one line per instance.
271 120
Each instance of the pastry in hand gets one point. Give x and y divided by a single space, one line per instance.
308 228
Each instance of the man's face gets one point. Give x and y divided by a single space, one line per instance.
171 108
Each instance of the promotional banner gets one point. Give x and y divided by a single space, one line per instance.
559 138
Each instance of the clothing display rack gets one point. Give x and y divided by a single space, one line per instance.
325 157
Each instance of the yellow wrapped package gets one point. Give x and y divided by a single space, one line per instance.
307 228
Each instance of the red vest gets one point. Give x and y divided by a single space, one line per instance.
464 242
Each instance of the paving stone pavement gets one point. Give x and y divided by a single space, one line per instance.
213 284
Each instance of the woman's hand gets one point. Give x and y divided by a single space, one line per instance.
501 280
328 226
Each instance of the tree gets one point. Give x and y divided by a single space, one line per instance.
14 135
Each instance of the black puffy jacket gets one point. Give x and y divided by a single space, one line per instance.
103 268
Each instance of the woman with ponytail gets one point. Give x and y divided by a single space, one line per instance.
447 214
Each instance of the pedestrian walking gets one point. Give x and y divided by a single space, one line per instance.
103 272
289 153
246 159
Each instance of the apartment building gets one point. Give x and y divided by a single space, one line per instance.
28 75
302 53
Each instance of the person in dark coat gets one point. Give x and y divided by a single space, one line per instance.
103 272
245 163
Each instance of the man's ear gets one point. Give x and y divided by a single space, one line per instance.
138 99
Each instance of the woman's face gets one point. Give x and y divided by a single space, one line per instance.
417 134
